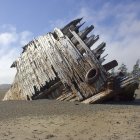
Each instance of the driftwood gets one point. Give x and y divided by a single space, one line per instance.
99 97
61 65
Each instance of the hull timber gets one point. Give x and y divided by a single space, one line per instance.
61 65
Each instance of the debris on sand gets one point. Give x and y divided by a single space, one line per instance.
61 65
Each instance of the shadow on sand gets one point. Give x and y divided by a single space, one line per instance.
135 102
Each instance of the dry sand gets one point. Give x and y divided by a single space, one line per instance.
2 93
45 119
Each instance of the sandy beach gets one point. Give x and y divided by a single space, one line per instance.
49 119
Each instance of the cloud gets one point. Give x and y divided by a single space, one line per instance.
7 38
7 74
11 42
119 26
59 23
25 37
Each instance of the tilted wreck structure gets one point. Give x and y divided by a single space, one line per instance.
61 65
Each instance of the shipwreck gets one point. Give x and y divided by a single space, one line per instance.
61 65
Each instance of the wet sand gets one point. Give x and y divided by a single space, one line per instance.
54 120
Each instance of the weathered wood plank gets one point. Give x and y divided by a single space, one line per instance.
99 97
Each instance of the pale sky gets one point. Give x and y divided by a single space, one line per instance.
116 21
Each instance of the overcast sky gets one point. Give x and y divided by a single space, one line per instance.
116 21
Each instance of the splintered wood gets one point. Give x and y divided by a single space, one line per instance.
61 65
46 58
